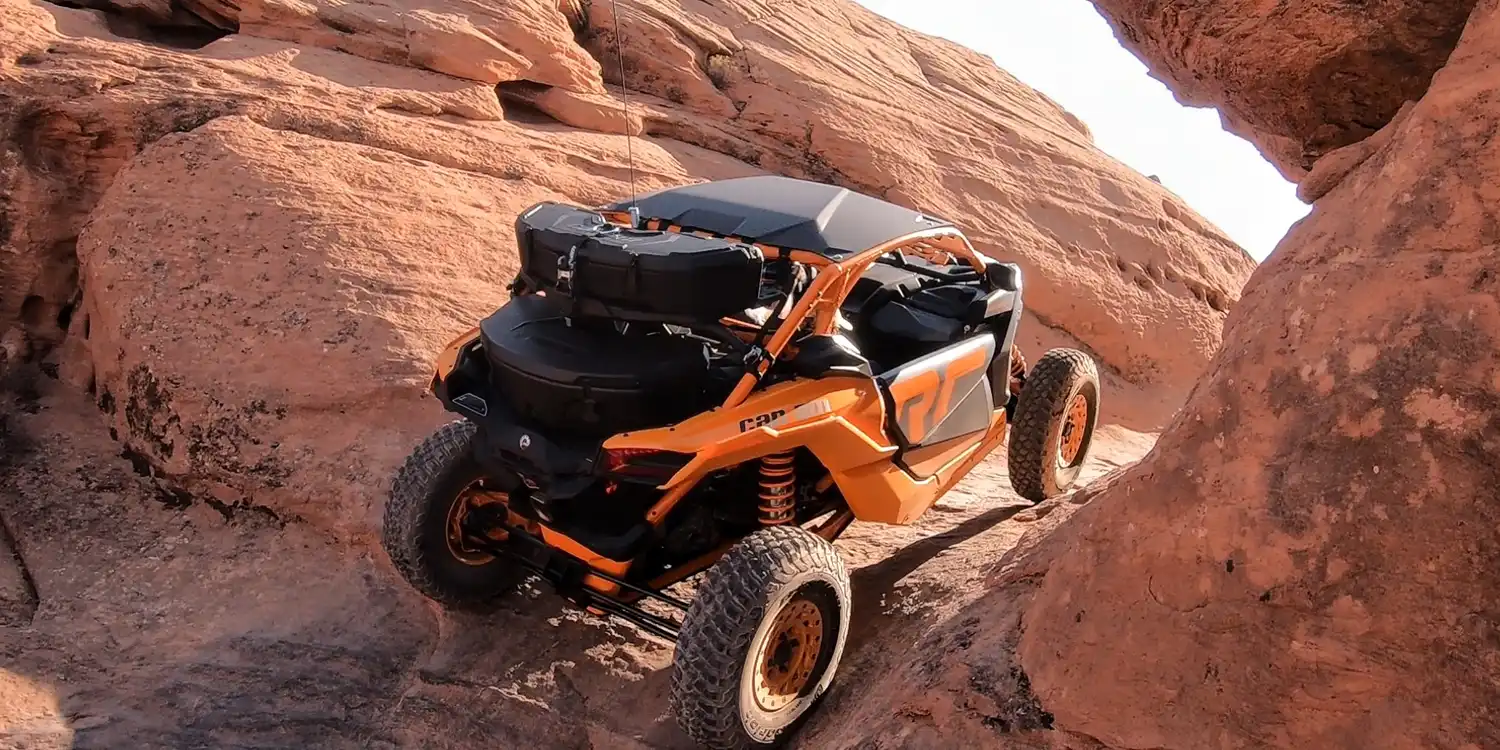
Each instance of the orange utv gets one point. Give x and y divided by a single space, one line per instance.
720 378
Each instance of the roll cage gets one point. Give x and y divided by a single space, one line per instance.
814 310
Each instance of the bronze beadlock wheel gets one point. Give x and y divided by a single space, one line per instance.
1075 425
472 496
438 487
788 655
762 641
1053 428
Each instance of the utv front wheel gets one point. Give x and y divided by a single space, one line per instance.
430 498
1055 417
762 641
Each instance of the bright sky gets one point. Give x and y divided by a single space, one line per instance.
1064 49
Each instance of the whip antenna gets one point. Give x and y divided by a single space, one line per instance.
625 101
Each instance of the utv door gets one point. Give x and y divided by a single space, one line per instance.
941 404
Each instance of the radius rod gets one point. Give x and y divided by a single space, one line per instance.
566 574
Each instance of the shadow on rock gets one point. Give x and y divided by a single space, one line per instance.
873 583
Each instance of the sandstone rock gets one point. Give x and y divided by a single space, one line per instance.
664 54
490 42
41 209
352 165
1301 80
28 29
64 147
17 591
282 314
1334 166
30 714
531 40
597 112
1309 556
448 44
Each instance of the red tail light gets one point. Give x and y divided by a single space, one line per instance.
643 463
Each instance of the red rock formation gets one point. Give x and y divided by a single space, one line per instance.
1298 79
280 227
1309 556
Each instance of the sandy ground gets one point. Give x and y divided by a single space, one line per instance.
141 621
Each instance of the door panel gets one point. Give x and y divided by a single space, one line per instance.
943 396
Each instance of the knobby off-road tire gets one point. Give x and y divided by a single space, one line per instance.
774 571
1039 461
417 515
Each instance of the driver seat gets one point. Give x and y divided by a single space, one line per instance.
897 314
937 315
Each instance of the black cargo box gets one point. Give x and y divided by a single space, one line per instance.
574 251
587 379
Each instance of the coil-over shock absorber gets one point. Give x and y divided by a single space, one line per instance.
778 489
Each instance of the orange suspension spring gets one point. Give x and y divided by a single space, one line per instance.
778 498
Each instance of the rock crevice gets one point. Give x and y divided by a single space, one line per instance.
18 592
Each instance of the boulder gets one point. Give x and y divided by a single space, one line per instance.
1310 554
274 346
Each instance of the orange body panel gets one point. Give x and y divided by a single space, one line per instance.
593 559
841 420
449 358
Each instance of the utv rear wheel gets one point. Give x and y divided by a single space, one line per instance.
1055 417
430 498
762 641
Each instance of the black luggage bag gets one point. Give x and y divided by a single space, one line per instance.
575 252
588 379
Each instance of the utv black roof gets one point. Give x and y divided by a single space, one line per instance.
784 212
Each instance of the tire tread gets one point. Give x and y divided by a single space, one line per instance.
717 631
1041 401
406 512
